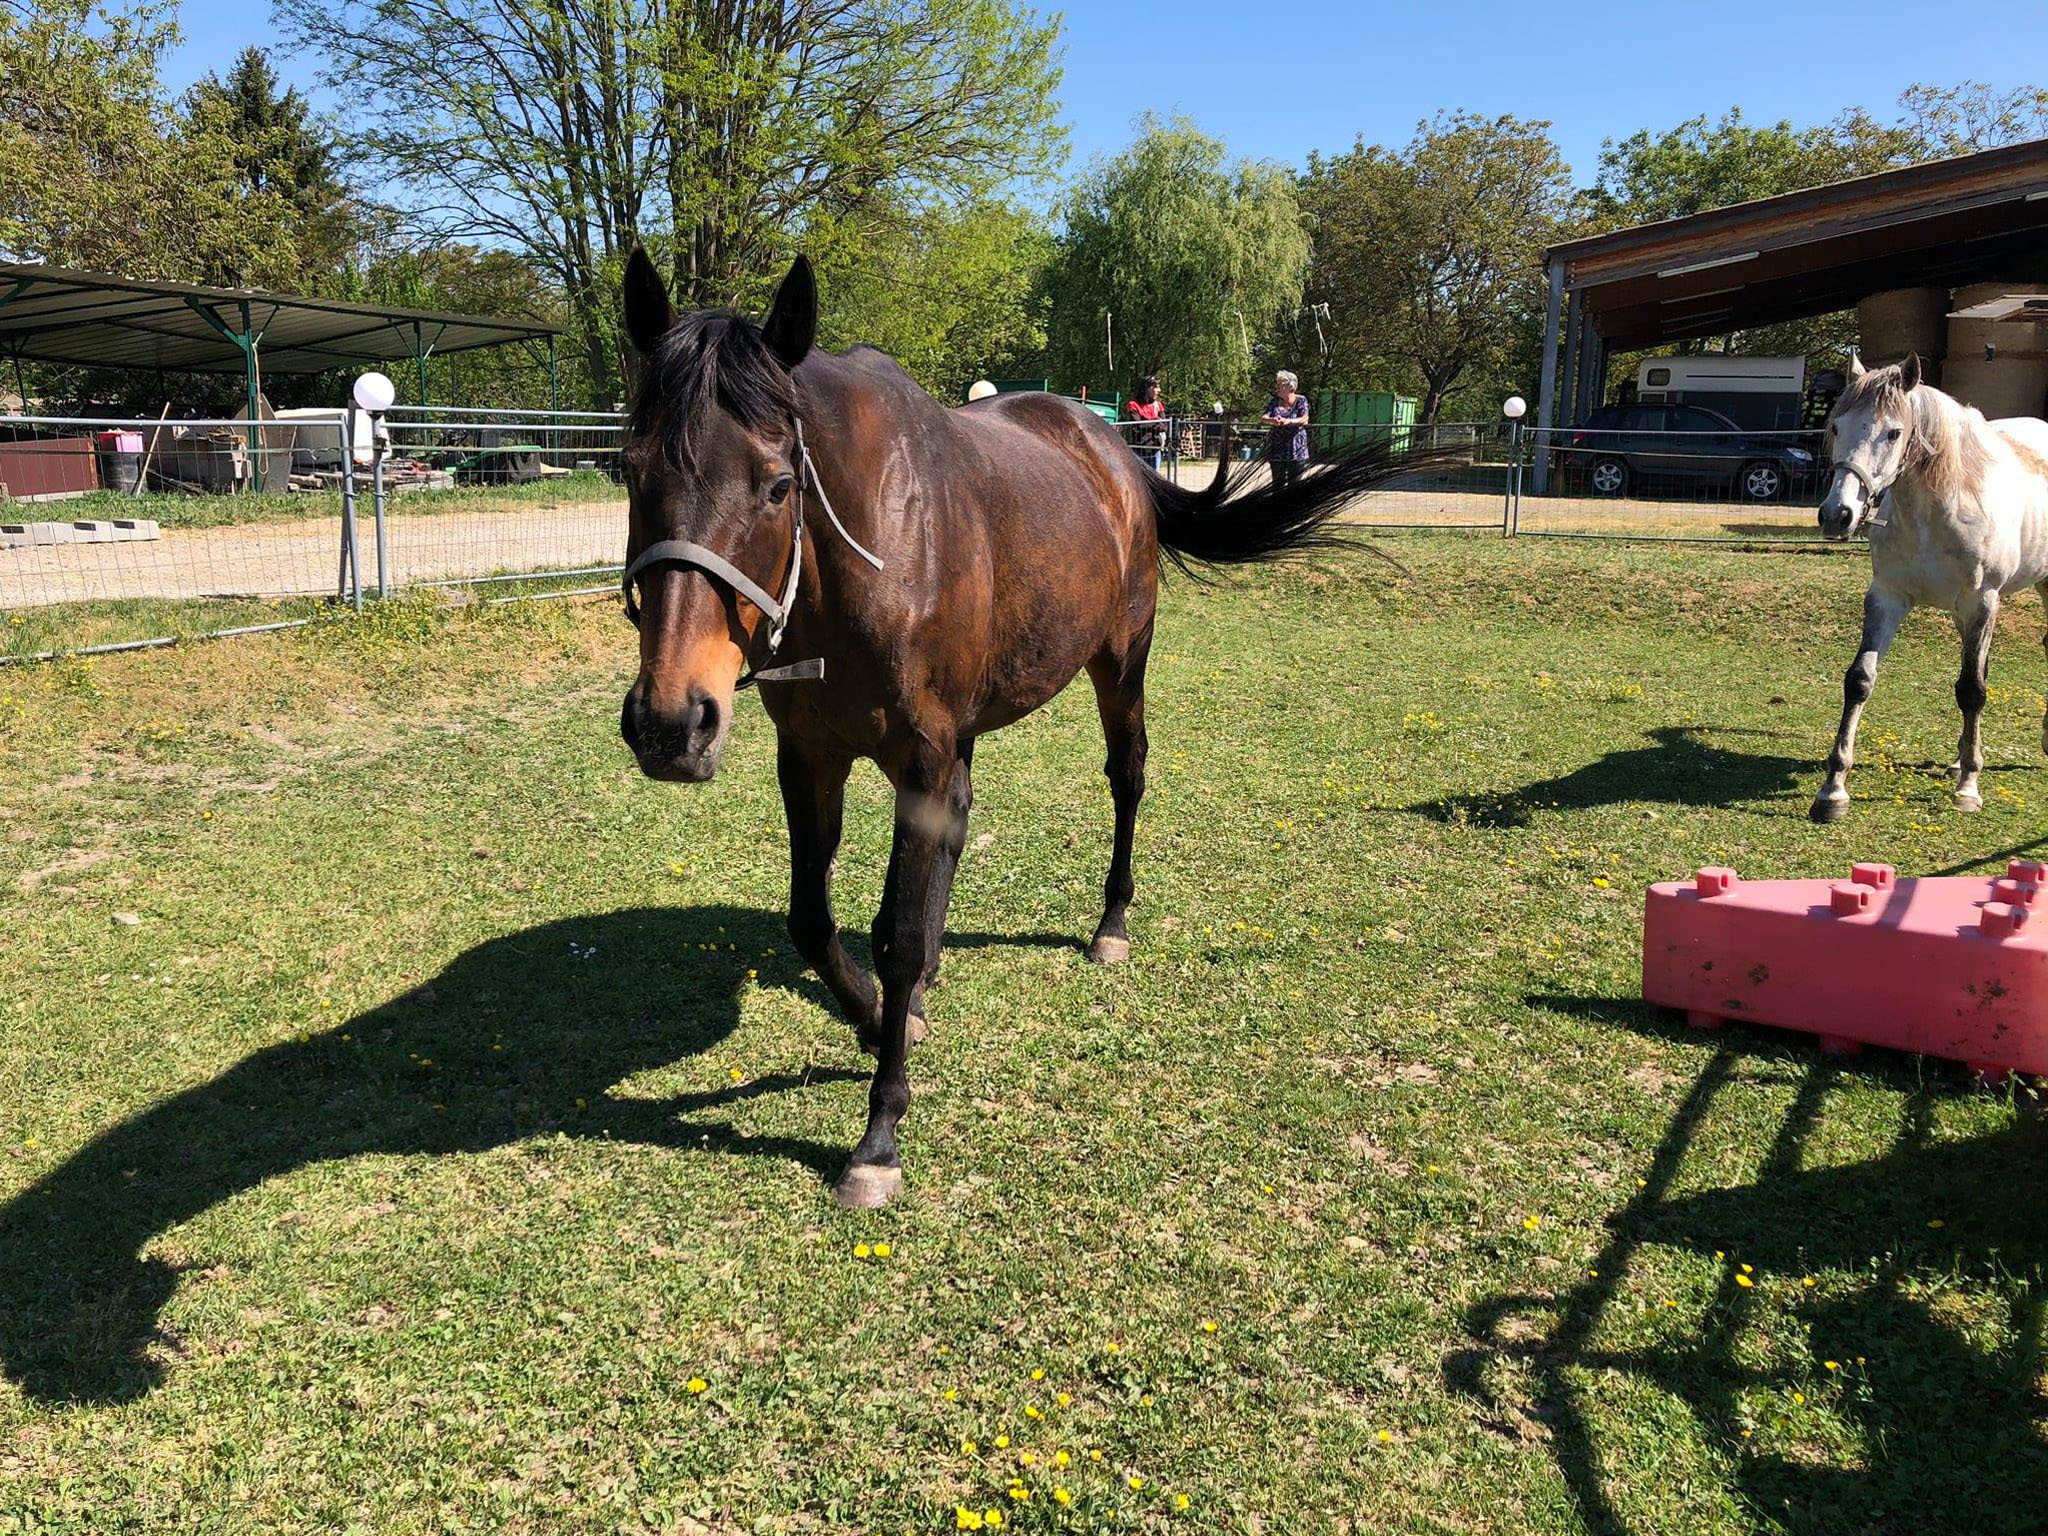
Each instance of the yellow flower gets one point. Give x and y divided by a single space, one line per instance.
992 1518
1114 1346
1061 1458
965 1519
1209 1326
883 1250
1744 1281
1063 1399
968 1447
1807 1282
1180 1501
1002 1442
1600 882
952 1394
1021 1494
753 975
1095 1455
1531 1223
1937 1222
860 1250
1833 1365
1038 1375
1747 1270
1061 1497
1136 1482
1145 1401
1386 1435
695 1384
1798 1397
737 1075
1028 1459
1031 1410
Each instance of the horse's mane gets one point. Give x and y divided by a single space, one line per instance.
1945 449
710 357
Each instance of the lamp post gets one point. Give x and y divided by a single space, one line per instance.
373 395
1514 408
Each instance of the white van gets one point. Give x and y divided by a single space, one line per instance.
1762 394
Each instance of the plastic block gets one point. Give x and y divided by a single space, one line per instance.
1949 967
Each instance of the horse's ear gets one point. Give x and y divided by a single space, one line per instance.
792 323
1909 373
649 315
1856 368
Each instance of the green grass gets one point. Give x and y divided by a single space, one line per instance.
457 1102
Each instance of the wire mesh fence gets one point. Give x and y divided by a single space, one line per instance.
118 532
1732 486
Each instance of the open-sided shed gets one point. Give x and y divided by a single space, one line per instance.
1813 252
54 315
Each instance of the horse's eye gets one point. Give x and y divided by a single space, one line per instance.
779 491
1893 435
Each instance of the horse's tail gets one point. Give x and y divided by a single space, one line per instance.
1227 523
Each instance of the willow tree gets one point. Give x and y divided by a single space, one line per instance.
724 133
1173 261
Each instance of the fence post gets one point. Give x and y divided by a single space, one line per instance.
380 440
1514 408
350 582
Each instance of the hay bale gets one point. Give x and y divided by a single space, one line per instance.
1902 320
1999 366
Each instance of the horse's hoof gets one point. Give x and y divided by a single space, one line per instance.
867 1186
1969 804
1109 950
918 1029
1826 810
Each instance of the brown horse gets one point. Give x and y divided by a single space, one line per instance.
952 570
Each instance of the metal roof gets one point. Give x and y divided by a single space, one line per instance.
49 314
1813 252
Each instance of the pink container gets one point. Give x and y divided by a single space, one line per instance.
1956 968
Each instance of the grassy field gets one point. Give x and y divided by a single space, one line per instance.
173 510
413 1121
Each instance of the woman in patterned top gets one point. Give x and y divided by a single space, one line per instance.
1286 421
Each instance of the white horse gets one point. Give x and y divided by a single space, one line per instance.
1957 508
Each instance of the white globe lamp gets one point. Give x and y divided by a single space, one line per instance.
980 389
374 393
1514 407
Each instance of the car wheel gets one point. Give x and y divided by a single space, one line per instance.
1608 477
1761 481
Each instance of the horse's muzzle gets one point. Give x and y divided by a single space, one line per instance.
678 747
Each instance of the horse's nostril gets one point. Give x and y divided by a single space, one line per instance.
701 722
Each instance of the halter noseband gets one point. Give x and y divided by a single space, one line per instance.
1873 493
695 556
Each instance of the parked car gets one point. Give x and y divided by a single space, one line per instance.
1656 448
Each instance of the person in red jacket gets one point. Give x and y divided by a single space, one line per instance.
1145 405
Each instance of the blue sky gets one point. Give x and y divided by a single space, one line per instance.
1278 80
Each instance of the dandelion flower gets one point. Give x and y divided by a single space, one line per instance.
860 1250
1833 1365
965 1519
1063 1399
1209 1326
1061 1458
1028 1459
1031 1411
883 1250
1745 1282
1020 1493
968 1447
1038 1375
1145 1401
1002 1442
1386 1435
695 1384
992 1518
1531 1223
737 1075
952 1394
1061 1497
1114 1346
1095 1455
1807 1282
1180 1501
1136 1482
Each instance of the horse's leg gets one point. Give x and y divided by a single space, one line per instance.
814 801
1120 696
1977 618
2043 590
874 1174
1882 616
952 840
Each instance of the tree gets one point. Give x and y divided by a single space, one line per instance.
952 293
1428 257
722 133
1182 255
96 170
278 150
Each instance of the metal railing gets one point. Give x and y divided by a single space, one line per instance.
1731 486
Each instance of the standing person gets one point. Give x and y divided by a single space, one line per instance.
1145 405
1286 422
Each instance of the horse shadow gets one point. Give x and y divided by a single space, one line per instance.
521 1036
1682 768
1951 1435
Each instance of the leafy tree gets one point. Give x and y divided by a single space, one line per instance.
723 132
1428 256
953 293
1972 116
279 151
1186 256
97 171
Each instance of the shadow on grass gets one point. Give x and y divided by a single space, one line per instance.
1682 768
1949 1434
502 1046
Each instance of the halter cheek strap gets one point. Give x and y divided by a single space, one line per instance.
685 552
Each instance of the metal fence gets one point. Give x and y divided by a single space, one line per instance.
120 533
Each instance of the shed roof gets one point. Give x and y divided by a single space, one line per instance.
51 314
1813 252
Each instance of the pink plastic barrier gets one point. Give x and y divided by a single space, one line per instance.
1956 968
